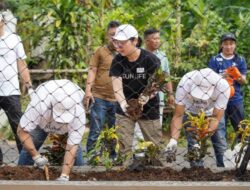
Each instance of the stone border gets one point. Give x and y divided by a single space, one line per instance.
128 185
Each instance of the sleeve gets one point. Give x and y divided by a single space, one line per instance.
223 94
20 49
213 65
242 66
116 68
165 64
153 63
94 60
182 91
31 118
77 127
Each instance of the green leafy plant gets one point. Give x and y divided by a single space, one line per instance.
244 134
106 144
199 131
151 153
55 153
157 82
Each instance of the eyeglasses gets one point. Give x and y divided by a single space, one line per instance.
119 43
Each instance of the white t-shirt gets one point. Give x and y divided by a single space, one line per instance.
11 50
218 99
39 111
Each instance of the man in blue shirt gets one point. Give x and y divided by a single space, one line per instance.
233 67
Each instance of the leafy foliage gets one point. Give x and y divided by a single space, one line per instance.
199 131
151 152
107 144
244 134
73 29
55 153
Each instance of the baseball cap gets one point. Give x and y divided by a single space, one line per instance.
125 32
65 99
204 82
63 112
227 36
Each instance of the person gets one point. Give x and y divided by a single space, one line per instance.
56 107
200 90
130 71
233 67
99 90
12 63
220 64
152 44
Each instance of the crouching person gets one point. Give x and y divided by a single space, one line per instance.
56 107
201 90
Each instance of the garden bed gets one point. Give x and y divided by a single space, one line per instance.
149 174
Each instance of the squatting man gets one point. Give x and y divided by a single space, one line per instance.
200 90
56 107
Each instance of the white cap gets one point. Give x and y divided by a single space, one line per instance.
125 32
204 82
64 101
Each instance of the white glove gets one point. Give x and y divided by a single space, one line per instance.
31 92
124 106
197 146
63 178
40 161
143 99
172 145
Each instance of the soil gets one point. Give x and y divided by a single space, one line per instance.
148 174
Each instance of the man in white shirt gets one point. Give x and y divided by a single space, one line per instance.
56 107
200 90
12 63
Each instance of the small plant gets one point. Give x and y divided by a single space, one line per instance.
106 145
244 134
151 152
55 153
157 82
199 131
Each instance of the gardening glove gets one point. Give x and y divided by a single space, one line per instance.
172 145
197 146
143 99
124 106
233 72
231 84
63 178
40 161
31 92
170 151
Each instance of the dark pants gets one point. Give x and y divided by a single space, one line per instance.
12 107
235 113
101 111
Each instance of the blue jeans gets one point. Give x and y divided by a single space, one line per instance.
38 137
100 112
218 140
235 113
